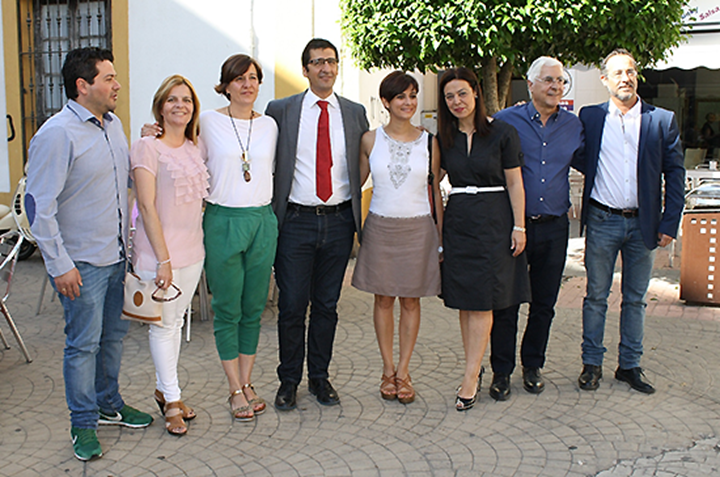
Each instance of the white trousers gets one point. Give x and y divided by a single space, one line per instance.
165 340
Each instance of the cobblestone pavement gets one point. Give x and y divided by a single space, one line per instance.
613 431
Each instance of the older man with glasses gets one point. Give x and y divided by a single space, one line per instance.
549 137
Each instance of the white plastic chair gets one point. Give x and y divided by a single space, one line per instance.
10 243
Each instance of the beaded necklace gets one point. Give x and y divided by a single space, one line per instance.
245 156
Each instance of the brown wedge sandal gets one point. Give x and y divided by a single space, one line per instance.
257 403
174 422
405 390
188 413
242 413
388 387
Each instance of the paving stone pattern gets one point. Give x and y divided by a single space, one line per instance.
613 431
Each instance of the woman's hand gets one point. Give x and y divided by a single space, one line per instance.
164 275
518 241
151 130
516 191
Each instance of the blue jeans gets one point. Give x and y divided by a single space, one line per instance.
93 343
608 234
312 256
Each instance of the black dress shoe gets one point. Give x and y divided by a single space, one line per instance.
500 387
533 380
285 399
634 377
590 377
323 390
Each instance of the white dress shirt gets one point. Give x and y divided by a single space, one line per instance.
616 179
303 189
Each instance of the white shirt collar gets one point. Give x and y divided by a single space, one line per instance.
633 113
311 99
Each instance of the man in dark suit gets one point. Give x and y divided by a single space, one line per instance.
317 202
630 148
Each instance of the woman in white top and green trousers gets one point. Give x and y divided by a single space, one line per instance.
240 227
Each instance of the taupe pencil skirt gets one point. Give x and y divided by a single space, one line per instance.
398 257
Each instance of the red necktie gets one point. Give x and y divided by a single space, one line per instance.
323 176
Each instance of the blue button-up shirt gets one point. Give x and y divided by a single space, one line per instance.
548 151
76 195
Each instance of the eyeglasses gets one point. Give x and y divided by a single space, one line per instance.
548 80
322 61
631 73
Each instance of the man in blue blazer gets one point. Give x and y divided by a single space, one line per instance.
317 202
630 148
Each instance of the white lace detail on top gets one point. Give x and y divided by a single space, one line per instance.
398 166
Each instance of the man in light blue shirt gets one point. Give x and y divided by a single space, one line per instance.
77 203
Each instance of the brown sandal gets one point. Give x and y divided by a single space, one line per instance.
388 387
242 413
188 413
257 403
174 422
405 387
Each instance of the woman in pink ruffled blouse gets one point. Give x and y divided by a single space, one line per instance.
171 181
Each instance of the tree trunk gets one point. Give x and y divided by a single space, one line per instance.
504 81
490 84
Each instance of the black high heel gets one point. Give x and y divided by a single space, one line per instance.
463 404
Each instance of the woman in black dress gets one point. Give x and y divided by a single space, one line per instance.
484 222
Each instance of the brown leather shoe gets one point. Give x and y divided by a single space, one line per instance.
405 390
388 387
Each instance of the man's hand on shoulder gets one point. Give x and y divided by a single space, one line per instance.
150 130
69 283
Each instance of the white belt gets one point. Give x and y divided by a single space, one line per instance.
475 189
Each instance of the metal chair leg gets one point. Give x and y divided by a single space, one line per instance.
188 322
42 295
15 331
204 298
4 341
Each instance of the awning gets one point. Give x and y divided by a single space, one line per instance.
700 50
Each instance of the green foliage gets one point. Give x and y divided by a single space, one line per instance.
432 34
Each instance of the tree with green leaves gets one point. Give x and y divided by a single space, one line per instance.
498 37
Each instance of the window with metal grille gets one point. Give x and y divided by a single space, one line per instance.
49 29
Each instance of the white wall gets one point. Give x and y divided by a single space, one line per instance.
193 38
369 96
4 162
588 87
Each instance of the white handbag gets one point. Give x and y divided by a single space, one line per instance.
143 300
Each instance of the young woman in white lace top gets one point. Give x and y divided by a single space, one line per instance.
400 253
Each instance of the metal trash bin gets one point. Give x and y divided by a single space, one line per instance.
699 272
